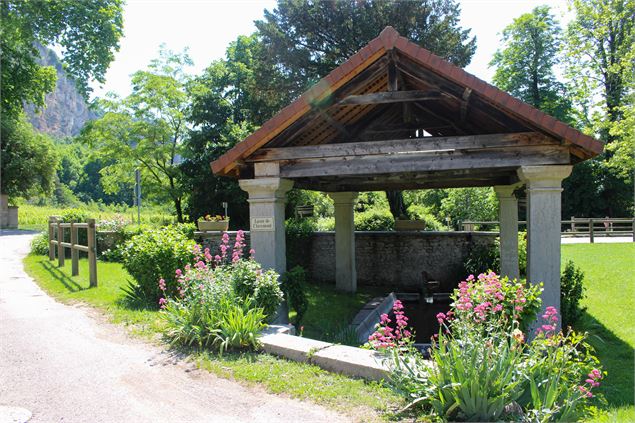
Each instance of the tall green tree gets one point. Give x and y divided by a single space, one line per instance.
87 33
525 62
29 160
308 39
600 47
600 58
229 101
146 131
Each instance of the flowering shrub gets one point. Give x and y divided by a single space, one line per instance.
386 337
483 368
221 300
114 224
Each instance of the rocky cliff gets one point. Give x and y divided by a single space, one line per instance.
66 110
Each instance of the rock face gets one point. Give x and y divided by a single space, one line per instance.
66 110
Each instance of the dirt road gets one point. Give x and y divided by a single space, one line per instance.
62 364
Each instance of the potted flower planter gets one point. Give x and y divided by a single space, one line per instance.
220 225
410 225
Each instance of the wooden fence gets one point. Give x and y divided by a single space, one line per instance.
577 226
56 243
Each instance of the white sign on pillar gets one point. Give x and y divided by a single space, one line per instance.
262 224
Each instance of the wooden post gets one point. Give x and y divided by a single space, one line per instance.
591 230
573 224
52 220
92 253
74 251
60 247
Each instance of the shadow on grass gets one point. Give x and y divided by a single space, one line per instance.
62 278
617 358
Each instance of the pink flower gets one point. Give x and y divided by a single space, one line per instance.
178 272
440 318
162 284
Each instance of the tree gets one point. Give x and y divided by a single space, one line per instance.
229 101
600 49
525 63
306 40
87 32
146 130
29 159
600 53
309 39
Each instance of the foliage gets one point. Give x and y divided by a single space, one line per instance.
484 371
40 244
88 34
221 302
463 204
418 212
482 258
146 131
374 220
309 39
571 293
322 203
28 159
525 62
248 280
152 255
298 234
293 285
228 102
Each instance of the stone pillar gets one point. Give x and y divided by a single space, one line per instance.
508 218
345 273
544 186
266 224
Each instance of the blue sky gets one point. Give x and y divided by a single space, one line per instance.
207 26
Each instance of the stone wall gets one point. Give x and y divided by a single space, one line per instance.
391 259
397 259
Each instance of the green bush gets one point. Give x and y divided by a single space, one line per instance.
40 244
293 284
419 212
154 255
220 305
374 220
483 258
298 237
75 215
248 280
571 292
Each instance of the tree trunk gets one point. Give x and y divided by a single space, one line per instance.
395 201
179 209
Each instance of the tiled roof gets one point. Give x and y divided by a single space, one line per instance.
389 39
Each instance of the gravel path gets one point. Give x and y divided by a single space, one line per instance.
62 364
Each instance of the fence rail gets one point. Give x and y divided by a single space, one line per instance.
587 227
57 244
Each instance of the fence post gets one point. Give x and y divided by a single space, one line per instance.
60 247
74 252
573 224
591 230
633 229
52 220
92 253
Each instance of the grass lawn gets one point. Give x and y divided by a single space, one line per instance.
610 302
330 312
360 399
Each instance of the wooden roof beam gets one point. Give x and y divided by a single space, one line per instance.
389 97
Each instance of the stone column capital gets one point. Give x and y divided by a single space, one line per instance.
266 188
343 197
544 176
505 191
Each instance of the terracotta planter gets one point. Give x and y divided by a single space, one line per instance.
410 225
204 225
